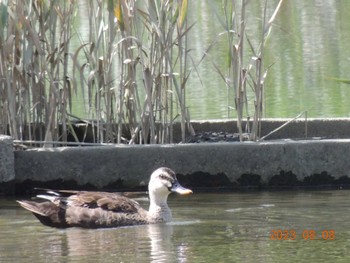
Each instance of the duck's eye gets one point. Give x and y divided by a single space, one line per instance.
166 178
163 176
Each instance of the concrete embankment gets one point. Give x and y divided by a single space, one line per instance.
277 163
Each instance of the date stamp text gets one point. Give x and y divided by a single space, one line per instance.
308 234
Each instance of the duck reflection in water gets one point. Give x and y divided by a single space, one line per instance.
153 243
86 209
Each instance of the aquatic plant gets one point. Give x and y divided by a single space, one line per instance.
245 68
125 74
36 90
154 42
128 70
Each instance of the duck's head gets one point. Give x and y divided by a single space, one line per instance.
163 182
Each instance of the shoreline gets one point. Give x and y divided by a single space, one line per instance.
320 160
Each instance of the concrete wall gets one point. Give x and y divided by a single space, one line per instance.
7 172
281 163
291 163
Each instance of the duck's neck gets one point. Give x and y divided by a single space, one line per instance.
158 209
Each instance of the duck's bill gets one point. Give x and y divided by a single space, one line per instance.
177 188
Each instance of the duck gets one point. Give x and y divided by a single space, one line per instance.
89 209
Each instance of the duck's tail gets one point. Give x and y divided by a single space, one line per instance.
48 213
33 207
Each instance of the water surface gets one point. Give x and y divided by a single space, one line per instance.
308 46
227 227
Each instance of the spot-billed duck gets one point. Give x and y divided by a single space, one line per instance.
103 209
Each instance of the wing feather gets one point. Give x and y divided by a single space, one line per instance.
107 201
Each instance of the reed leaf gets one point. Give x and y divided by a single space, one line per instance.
346 81
182 13
118 13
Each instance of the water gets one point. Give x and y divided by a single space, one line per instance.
309 44
227 227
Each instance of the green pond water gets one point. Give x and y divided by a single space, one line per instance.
309 44
215 227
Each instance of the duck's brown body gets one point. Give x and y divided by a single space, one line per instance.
103 209
89 210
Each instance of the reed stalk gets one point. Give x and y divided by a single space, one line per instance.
34 66
242 74
153 42
130 69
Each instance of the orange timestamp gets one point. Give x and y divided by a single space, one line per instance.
286 234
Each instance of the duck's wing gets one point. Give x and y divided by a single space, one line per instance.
104 200
116 202
102 209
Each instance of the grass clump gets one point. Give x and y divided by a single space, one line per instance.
129 69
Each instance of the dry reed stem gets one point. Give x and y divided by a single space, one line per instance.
130 69
239 74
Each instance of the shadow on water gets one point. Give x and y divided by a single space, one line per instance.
210 227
